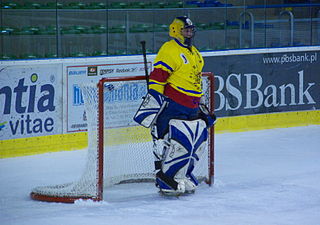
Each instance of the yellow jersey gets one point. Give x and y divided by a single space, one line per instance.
177 73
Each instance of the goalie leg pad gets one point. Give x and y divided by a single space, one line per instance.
187 140
164 182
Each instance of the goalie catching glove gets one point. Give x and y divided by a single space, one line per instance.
205 115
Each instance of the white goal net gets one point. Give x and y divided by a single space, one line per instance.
119 150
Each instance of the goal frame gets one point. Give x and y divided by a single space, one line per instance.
100 140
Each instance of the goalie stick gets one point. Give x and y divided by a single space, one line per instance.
152 104
144 53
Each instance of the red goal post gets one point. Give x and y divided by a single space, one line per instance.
115 143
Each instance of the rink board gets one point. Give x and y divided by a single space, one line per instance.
75 141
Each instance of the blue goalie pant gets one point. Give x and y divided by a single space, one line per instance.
171 111
186 141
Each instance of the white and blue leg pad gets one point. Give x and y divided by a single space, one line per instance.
187 142
152 104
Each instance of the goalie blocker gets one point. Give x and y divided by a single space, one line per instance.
153 104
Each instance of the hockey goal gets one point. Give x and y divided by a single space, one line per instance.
119 150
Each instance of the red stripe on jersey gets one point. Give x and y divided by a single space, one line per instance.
159 75
180 98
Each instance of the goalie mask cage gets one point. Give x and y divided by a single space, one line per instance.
119 150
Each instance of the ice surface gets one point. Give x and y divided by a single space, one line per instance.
268 177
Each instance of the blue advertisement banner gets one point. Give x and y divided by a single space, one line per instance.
265 83
30 101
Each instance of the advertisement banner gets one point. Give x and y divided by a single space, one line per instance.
265 83
30 101
79 74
